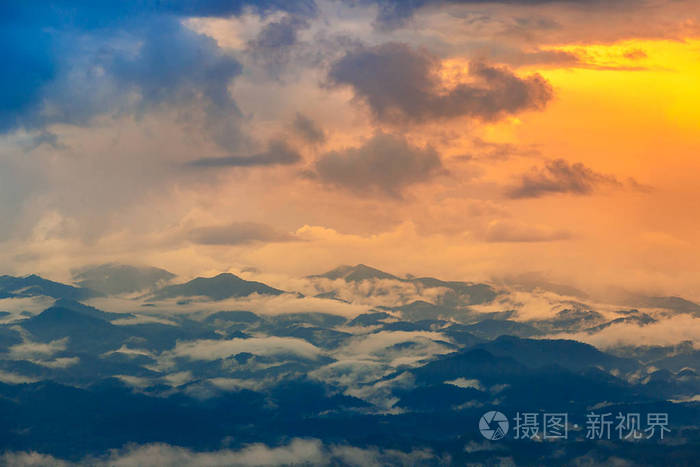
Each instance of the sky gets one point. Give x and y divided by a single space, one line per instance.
469 140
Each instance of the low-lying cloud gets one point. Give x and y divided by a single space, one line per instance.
216 349
296 452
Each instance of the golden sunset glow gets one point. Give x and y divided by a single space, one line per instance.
349 232
528 138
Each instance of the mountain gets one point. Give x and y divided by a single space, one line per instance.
464 293
391 372
492 328
113 279
86 332
421 310
221 287
570 319
569 354
33 285
89 310
357 273
677 304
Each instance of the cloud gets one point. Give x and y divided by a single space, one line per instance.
273 44
668 331
115 278
635 54
17 184
278 153
395 13
559 176
267 346
399 83
382 347
43 137
308 130
70 63
558 58
466 383
261 305
491 151
73 61
14 378
142 319
296 452
30 305
385 165
514 231
63 362
40 354
376 292
239 233
29 349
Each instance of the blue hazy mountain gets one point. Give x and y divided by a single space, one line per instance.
678 304
112 278
85 331
357 273
568 354
466 292
220 287
33 285
77 380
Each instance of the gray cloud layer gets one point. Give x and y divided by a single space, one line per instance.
395 13
239 233
399 83
278 153
385 164
272 47
559 176
308 130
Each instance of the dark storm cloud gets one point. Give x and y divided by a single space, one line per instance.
239 233
278 34
273 45
385 165
81 59
174 61
235 7
308 130
559 176
278 153
399 83
395 13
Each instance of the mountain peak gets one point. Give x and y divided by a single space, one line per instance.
219 287
115 278
33 285
356 273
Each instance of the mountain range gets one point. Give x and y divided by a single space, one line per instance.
384 362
